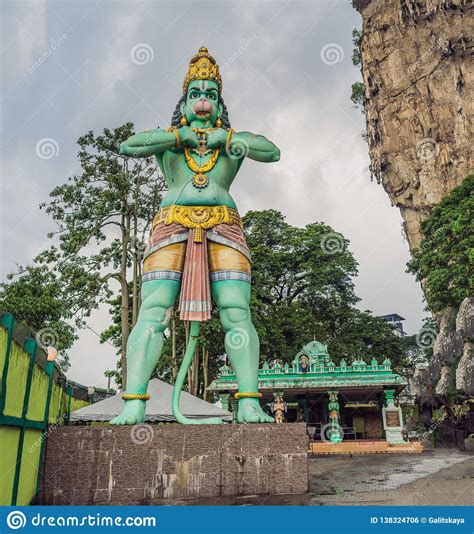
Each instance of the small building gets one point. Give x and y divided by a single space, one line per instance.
395 320
347 401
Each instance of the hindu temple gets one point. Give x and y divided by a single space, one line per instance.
338 402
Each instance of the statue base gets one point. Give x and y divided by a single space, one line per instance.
154 464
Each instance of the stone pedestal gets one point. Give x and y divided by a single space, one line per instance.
153 464
393 426
392 420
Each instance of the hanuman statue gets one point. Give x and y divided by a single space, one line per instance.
197 249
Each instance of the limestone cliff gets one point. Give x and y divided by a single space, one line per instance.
452 364
418 72
419 78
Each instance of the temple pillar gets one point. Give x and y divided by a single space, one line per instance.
304 406
392 419
234 404
225 401
335 433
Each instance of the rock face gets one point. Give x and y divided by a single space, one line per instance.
419 80
452 364
465 328
159 464
417 66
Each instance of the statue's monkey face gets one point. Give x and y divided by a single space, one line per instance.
202 102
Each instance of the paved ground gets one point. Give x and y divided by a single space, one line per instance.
439 477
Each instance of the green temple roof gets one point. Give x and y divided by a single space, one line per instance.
313 368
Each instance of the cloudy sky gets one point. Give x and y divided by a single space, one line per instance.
73 66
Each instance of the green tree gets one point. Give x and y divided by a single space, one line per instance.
359 334
358 88
418 348
37 297
302 289
445 259
103 216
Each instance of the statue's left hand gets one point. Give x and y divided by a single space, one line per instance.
216 138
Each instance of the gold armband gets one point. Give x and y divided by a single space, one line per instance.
230 133
136 396
175 130
247 395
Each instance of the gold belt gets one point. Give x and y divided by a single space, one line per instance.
198 217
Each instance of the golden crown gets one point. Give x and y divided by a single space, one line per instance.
202 67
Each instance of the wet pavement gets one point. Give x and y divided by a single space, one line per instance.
437 477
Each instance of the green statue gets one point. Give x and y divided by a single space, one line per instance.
197 250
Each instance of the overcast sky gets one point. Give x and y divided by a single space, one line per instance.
73 66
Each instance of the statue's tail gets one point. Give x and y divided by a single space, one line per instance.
178 386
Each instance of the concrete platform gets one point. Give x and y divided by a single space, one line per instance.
154 464
363 447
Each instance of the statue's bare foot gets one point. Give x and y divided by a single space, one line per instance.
251 412
132 413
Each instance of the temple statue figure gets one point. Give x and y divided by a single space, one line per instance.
279 407
197 249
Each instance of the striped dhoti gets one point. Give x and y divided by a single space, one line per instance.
197 246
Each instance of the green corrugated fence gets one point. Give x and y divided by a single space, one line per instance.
34 393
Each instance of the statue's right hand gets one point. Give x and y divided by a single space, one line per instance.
188 137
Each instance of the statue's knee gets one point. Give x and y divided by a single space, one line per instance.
157 318
232 317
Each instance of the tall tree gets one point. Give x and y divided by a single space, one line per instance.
301 281
103 215
37 297
444 262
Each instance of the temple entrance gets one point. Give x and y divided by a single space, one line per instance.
339 402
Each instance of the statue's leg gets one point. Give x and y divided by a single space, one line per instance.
241 344
145 344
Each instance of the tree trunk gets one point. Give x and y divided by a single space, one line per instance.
136 258
125 328
139 292
195 372
205 371
186 335
173 345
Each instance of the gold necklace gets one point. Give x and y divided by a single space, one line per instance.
201 134
200 179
